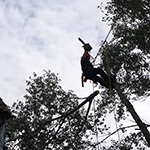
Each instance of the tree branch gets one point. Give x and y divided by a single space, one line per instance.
90 102
88 99
135 116
57 130
115 132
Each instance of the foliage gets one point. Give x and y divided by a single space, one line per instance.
131 22
127 56
128 52
45 99
132 141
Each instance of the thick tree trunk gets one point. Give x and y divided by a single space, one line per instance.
135 116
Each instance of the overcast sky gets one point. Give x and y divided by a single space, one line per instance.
43 34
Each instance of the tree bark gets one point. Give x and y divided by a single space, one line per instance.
135 116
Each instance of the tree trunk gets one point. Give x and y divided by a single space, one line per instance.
135 116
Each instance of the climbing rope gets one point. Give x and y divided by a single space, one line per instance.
99 51
109 74
109 78
96 132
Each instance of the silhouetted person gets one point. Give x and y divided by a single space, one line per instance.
91 73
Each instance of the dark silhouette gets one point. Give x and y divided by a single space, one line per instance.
91 73
5 114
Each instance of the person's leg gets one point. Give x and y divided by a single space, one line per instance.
102 73
105 76
101 81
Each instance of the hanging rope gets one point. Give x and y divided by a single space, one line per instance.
96 132
102 44
107 68
109 76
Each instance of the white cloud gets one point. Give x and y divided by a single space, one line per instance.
43 34
38 35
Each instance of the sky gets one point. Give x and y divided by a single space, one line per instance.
43 34
37 35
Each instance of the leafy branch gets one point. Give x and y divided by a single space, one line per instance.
88 99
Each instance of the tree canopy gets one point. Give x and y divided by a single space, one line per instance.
45 100
127 56
128 51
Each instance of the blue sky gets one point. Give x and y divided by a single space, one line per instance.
37 35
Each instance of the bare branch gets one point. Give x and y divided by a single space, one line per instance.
118 130
90 102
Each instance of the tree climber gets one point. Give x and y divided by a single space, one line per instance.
91 73
4 115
